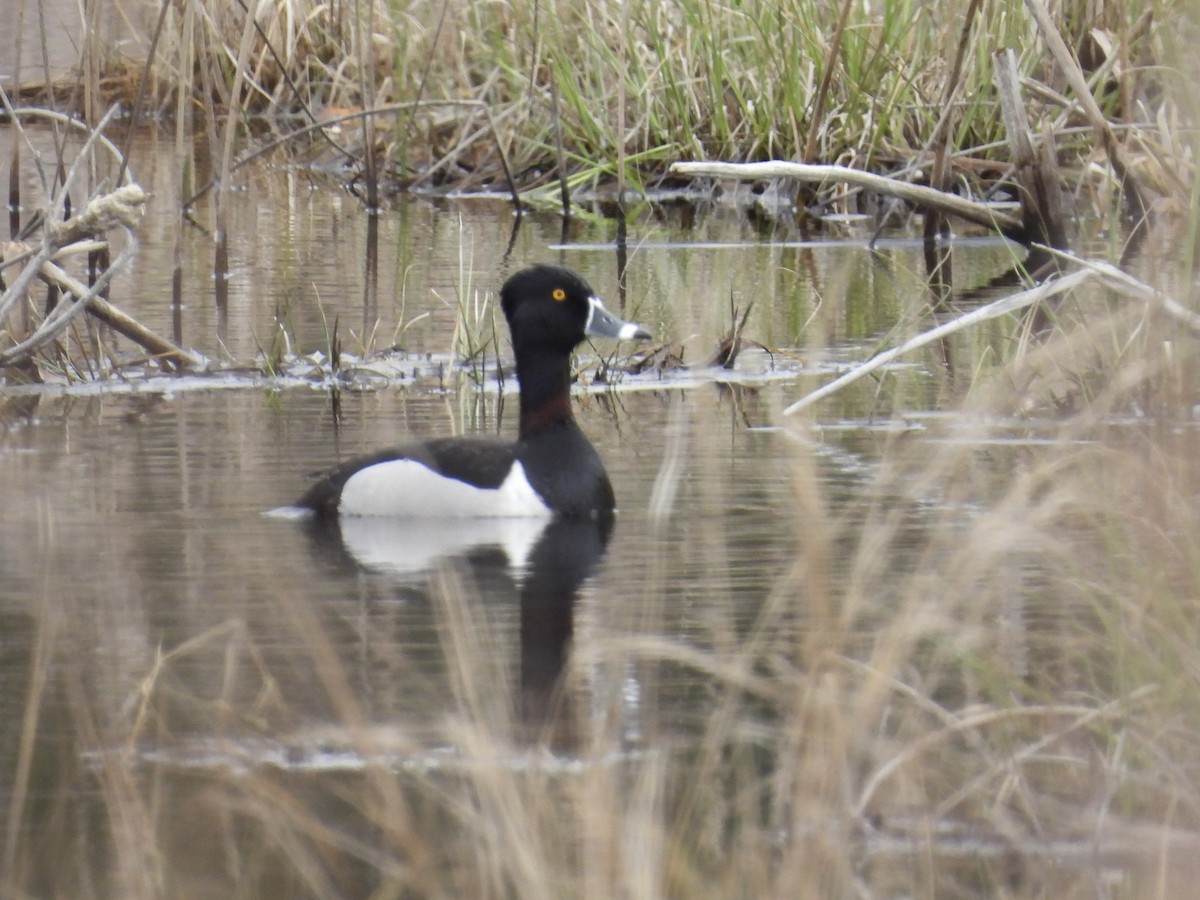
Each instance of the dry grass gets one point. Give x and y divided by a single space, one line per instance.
457 86
978 678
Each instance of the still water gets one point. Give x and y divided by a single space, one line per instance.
214 694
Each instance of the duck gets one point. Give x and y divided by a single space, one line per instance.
550 471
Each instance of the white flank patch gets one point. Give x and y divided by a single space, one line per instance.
406 489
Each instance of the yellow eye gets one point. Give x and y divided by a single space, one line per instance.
559 294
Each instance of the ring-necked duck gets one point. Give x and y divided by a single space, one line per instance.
550 469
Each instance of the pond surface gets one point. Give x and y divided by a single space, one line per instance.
259 693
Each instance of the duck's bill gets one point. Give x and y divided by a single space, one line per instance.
602 323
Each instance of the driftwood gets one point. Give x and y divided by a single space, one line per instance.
916 194
1089 270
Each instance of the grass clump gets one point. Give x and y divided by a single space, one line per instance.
632 86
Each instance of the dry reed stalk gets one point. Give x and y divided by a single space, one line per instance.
14 860
120 209
232 119
1131 191
1036 169
560 154
938 258
816 111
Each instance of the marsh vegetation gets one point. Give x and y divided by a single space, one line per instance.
931 634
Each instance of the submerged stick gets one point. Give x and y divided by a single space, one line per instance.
979 213
1000 307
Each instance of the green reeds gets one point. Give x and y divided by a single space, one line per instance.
689 79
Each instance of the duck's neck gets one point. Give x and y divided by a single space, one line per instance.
545 393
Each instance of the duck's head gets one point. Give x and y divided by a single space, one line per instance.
552 309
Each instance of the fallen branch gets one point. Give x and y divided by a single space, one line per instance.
1000 307
120 208
916 194
1120 281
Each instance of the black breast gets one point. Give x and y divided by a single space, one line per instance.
564 468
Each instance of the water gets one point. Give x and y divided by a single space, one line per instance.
241 681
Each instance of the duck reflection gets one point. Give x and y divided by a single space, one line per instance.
543 562
561 561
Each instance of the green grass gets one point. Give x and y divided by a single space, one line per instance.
689 78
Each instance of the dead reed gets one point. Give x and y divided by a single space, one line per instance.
475 95
977 678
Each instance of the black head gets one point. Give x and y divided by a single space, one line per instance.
553 309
